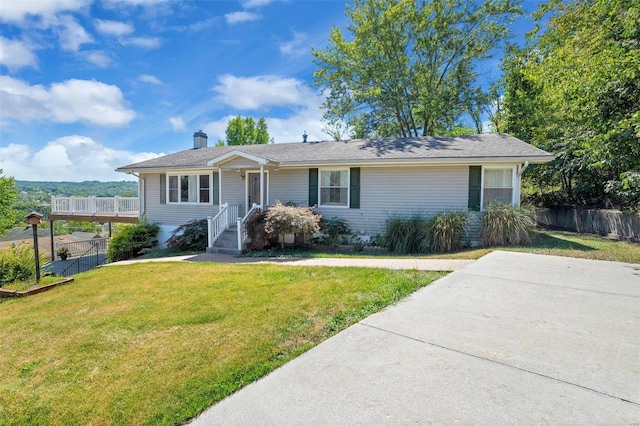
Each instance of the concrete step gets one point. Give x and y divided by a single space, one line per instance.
224 250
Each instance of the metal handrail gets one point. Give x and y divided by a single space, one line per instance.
81 261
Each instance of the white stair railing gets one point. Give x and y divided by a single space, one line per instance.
218 224
242 229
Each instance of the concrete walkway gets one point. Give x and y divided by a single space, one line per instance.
512 338
387 263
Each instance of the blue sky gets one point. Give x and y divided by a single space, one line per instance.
90 85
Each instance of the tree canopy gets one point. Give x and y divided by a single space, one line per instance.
246 131
8 193
408 67
574 90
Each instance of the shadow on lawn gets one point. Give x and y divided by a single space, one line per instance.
543 240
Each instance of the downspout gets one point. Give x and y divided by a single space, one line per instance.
143 187
523 168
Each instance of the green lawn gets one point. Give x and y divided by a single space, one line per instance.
556 243
160 342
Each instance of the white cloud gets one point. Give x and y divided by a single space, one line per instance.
68 102
252 93
146 42
306 116
71 158
16 54
238 17
71 34
148 78
248 4
113 28
177 123
17 11
145 3
295 47
98 58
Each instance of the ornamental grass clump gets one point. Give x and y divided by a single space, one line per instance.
281 220
503 224
445 231
407 234
18 263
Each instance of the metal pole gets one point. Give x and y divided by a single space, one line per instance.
35 248
53 252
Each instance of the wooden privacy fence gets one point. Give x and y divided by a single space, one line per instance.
611 223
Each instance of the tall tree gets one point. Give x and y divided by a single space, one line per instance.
245 131
580 75
8 193
407 67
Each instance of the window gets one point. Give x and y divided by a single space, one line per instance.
190 189
497 186
334 188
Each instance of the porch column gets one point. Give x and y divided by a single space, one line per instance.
261 185
219 187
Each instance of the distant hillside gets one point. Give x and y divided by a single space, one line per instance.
85 189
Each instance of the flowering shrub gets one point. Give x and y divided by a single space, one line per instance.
281 219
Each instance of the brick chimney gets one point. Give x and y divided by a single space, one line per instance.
199 139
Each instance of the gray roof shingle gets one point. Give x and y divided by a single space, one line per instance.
427 149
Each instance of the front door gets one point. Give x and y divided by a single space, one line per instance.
253 188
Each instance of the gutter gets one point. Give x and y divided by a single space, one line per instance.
379 163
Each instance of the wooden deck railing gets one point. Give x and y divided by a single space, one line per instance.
101 206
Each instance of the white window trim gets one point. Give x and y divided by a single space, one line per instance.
187 203
334 169
246 186
514 183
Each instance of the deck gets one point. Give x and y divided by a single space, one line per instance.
95 209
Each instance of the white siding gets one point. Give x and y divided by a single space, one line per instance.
171 214
289 185
233 191
240 163
385 191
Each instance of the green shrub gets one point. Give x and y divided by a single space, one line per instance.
130 240
18 263
281 220
503 224
335 231
255 226
445 231
192 236
407 234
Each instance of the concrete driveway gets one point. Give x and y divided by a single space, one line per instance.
510 339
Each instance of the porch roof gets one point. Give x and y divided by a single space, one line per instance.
467 149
